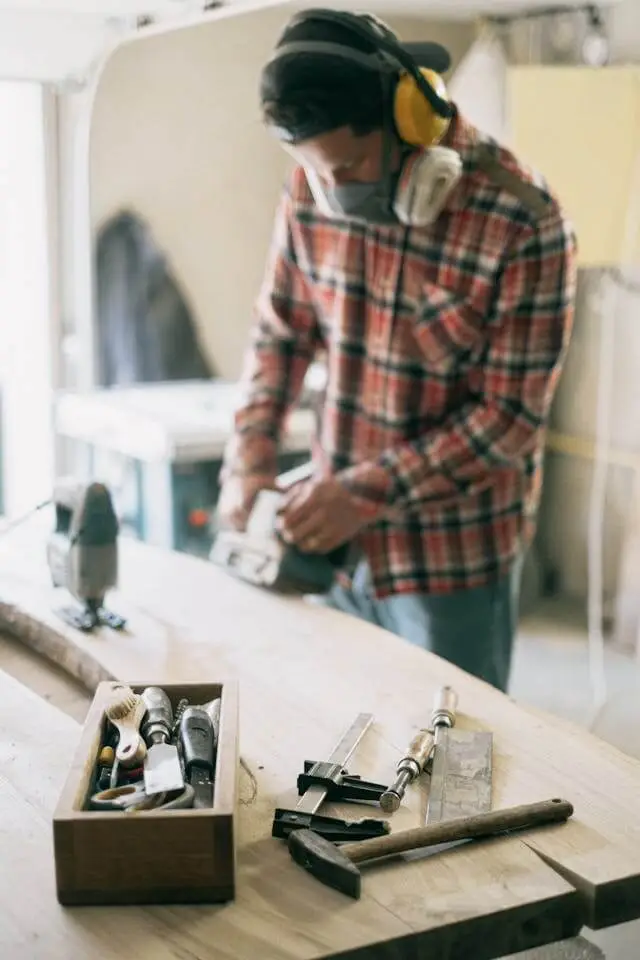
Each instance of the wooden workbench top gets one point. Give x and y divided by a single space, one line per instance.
304 673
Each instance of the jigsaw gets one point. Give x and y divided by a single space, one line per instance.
82 552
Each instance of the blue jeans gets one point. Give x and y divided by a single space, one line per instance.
474 629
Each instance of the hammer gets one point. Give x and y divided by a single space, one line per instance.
336 866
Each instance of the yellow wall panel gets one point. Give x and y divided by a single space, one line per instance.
580 127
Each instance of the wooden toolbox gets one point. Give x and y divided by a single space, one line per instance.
150 856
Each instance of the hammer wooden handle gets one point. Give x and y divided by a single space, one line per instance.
464 828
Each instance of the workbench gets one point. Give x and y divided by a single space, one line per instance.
304 673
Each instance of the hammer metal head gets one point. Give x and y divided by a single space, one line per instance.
325 861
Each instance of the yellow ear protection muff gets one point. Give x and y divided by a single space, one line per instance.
416 120
421 111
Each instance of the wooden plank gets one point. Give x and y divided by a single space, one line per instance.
600 854
304 673
313 669
478 904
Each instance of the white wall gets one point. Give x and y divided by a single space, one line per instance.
566 502
177 137
565 513
26 334
624 31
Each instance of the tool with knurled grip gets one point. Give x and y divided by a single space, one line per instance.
459 763
328 780
419 752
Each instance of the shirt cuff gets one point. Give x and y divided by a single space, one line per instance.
399 478
250 455
372 488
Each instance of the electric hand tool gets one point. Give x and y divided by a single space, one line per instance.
82 552
260 556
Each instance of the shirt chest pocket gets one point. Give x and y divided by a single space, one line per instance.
448 333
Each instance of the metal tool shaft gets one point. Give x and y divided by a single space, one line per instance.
313 797
420 749
444 717
158 720
409 767
461 784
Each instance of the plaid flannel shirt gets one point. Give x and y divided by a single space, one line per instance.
443 348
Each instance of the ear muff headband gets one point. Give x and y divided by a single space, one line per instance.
375 34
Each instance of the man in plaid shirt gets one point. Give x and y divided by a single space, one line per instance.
445 330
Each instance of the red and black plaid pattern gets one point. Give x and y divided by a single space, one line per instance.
443 347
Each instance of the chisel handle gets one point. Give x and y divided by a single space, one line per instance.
444 707
420 749
465 828
409 767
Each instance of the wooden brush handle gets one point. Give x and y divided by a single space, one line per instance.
131 749
464 828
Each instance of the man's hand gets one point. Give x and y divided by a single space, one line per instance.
320 515
238 495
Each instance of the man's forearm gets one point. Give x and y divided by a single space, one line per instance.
284 339
457 460
271 383
249 455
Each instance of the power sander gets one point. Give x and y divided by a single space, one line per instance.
260 556
82 552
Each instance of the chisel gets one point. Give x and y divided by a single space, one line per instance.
162 770
415 760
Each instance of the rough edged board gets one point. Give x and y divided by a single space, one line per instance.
460 784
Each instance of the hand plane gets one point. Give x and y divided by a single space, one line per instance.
82 551
260 556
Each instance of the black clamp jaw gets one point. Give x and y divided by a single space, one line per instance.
338 786
331 828
338 783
